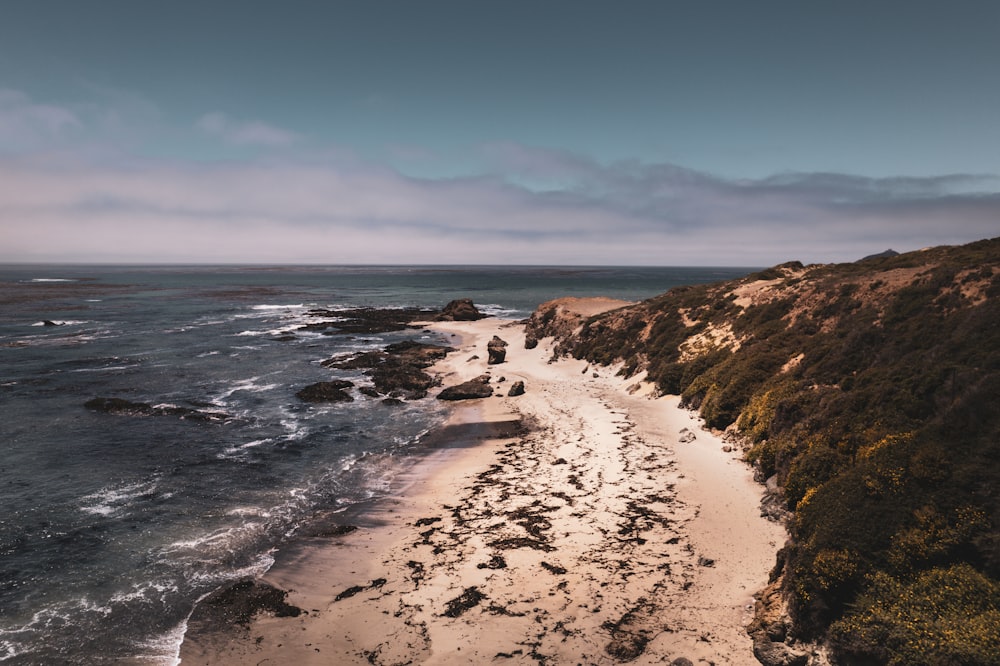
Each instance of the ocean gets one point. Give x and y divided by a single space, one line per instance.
113 526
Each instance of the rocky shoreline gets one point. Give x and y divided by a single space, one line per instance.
569 524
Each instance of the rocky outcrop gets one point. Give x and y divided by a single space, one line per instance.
122 407
364 320
398 370
497 350
334 391
771 627
460 309
236 605
516 389
474 388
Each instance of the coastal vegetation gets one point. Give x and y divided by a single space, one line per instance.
867 393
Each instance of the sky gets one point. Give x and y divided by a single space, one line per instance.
478 132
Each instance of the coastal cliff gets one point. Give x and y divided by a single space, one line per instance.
865 395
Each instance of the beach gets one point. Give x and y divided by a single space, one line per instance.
583 522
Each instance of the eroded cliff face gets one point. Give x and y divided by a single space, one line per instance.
867 394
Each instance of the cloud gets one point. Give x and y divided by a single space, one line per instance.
246 133
26 124
530 207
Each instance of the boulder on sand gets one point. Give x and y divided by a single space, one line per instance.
516 389
497 350
474 388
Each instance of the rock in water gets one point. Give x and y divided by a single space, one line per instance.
460 309
497 350
122 407
334 391
517 388
474 388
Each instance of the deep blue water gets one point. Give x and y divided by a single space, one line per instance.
113 526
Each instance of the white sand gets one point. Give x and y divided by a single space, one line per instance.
597 537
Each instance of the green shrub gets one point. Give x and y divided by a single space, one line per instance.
949 615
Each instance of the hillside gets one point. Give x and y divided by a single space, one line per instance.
867 393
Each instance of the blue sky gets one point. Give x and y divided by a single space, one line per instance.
686 133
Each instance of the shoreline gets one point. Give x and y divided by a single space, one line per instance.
594 535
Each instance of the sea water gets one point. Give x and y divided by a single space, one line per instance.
112 527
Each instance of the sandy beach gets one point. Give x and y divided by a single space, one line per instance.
584 522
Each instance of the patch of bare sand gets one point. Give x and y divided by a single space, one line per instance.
596 537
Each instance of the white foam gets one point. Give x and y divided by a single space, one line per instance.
239 450
293 306
65 322
165 649
497 310
248 385
52 280
113 500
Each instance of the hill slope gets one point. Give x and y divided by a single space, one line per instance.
870 394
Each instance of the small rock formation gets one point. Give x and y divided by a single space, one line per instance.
530 341
686 436
516 389
334 391
770 629
49 322
364 320
460 309
236 605
474 388
398 371
497 349
122 407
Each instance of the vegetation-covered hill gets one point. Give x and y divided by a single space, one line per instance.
870 392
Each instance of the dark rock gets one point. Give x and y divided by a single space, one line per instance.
460 309
474 388
49 322
497 350
364 320
682 661
778 654
121 407
334 391
370 391
238 603
397 370
530 341
516 389
399 380
392 402
285 338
